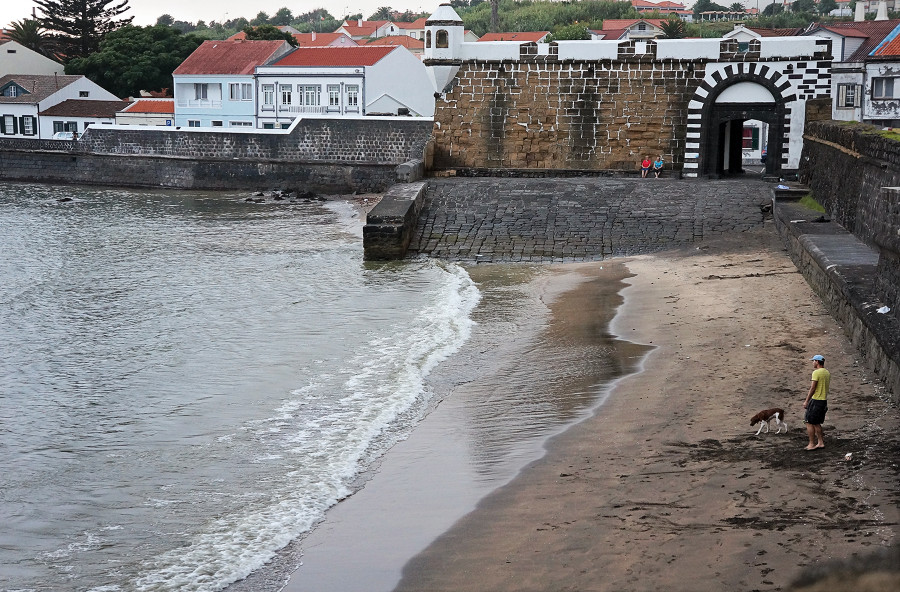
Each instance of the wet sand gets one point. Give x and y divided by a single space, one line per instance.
667 486
654 481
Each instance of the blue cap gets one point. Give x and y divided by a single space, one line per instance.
817 358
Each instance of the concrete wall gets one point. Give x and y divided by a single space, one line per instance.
323 155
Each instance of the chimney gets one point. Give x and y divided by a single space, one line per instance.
359 23
313 35
860 14
882 12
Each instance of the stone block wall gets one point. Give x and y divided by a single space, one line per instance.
346 141
853 170
539 113
321 155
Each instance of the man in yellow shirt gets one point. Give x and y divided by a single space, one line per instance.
816 403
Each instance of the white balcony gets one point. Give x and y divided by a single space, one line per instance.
308 109
199 104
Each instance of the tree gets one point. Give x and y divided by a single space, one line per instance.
261 19
826 6
673 28
29 33
706 6
282 17
804 6
574 32
269 33
382 14
736 7
132 59
80 25
165 20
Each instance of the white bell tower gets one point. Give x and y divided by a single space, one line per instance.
443 44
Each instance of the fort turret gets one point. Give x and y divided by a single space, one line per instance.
443 42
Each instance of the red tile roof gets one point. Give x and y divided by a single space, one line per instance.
416 24
145 106
395 40
790 32
876 32
335 56
890 47
85 108
626 23
229 57
522 37
322 39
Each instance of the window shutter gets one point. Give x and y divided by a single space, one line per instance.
15 125
842 95
2 124
857 102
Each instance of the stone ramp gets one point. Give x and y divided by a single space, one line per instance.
579 219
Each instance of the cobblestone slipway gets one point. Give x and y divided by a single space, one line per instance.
583 219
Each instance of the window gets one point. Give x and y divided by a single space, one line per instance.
193 123
441 39
642 27
285 94
84 94
216 123
353 96
743 46
848 96
28 126
268 126
240 91
65 126
9 124
268 94
883 88
201 91
11 91
309 94
428 39
240 124
750 140
334 95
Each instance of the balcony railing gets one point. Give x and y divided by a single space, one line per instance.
303 108
200 104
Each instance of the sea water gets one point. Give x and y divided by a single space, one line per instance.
188 380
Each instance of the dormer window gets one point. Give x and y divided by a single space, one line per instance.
13 90
642 27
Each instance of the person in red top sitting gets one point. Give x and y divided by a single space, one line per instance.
645 166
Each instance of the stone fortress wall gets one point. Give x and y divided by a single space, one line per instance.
603 105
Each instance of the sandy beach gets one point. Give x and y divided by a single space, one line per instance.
666 485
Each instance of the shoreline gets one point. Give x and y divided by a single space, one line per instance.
669 486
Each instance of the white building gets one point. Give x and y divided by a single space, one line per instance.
23 98
148 112
341 81
77 115
18 59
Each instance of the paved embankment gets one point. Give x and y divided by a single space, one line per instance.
499 219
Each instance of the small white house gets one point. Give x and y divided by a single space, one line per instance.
148 112
341 81
76 115
24 97
18 59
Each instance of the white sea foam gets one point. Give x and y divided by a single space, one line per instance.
382 395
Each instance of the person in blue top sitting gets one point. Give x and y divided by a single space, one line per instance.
657 166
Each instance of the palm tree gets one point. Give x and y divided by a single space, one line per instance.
737 7
495 16
29 33
673 28
382 14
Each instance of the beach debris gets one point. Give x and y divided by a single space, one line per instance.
848 456
884 310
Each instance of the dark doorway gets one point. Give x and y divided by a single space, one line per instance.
722 140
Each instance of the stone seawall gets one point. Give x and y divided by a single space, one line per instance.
323 155
850 169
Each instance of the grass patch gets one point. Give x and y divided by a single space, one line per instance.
807 201
891 134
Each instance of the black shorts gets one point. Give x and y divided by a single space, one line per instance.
815 412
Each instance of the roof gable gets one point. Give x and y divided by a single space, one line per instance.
36 87
336 56
230 57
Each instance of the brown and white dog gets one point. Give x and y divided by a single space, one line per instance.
764 417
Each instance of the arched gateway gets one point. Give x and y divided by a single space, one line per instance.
605 105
